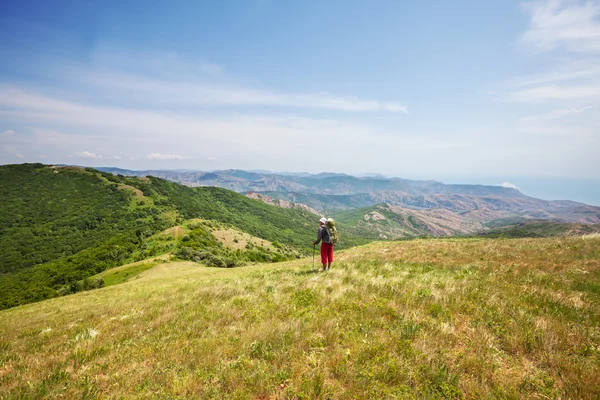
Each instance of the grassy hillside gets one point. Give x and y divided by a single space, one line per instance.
444 318
535 228
59 225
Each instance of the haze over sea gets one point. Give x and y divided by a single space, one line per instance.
547 188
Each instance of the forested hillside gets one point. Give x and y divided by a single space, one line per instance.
59 225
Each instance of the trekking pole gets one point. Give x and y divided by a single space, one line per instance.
313 256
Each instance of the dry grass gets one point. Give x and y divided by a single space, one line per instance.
238 240
138 193
420 319
175 232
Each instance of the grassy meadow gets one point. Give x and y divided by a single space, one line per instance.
441 318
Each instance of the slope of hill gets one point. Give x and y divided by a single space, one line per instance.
435 319
536 228
59 225
385 221
281 202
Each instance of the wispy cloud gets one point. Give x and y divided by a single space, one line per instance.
556 92
557 114
160 156
569 30
241 140
88 155
169 79
566 71
194 93
570 25
574 123
561 99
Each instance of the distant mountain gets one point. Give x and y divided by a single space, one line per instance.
323 183
334 192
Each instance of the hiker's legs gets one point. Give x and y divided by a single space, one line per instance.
330 255
324 255
328 259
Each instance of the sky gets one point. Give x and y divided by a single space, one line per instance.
493 92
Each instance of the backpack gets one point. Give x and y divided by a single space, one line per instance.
331 229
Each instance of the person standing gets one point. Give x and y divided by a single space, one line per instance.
324 236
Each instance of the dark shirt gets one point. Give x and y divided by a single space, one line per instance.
324 235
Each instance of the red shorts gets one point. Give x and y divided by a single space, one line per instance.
326 253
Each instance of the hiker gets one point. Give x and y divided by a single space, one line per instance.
326 245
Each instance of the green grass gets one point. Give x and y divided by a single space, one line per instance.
123 274
539 228
444 318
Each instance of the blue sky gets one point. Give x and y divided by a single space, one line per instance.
486 91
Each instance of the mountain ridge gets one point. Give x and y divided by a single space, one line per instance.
334 193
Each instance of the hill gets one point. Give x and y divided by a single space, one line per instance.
536 228
60 225
435 319
385 221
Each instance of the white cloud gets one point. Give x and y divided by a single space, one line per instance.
116 157
509 185
245 141
276 142
159 156
212 159
545 93
7 134
559 99
573 123
570 31
87 154
570 25
564 72
168 79
165 63
556 114
20 155
196 93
